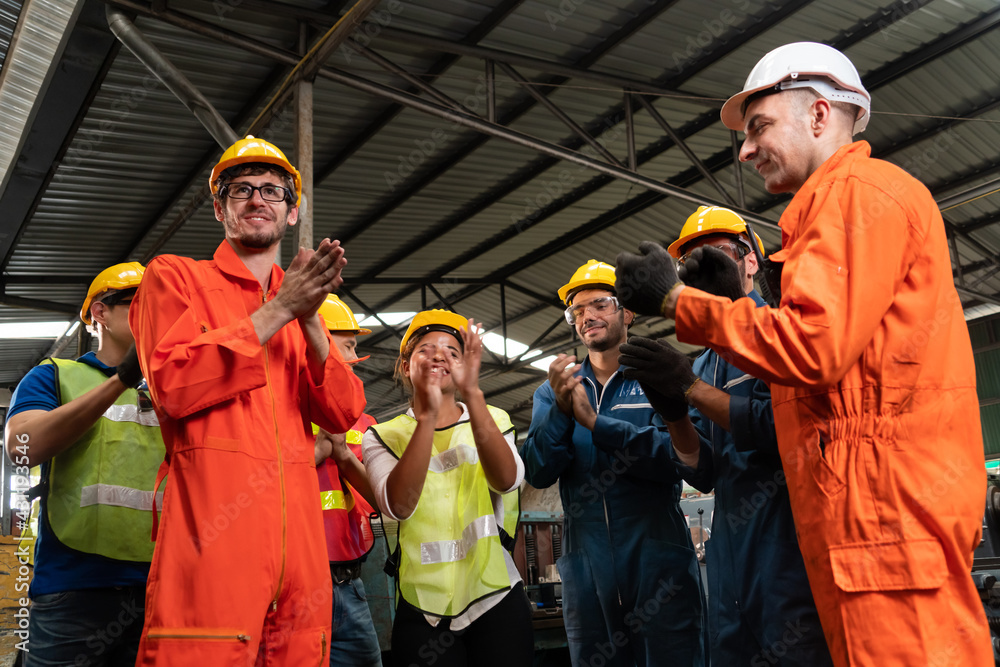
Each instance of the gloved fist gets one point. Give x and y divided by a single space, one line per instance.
669 408
128 370
656 364
712 270
643 281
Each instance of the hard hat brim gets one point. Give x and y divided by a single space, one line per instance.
732 110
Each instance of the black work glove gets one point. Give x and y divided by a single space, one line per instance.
128 370
713 271
669 408
656 364
643 281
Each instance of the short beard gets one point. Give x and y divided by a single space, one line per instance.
611 341
259 240
262 241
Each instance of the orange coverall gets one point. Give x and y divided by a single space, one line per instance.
239 573
873 388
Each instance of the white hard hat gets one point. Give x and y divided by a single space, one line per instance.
803 65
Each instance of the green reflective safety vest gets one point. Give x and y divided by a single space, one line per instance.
450 548
100 490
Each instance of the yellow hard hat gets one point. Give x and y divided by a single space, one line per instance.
338 317
434 320
252 149
710 220
119 276
598 274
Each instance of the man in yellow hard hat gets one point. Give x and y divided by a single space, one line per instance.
239 363
348 507
630 579
870 366
759 595
98 443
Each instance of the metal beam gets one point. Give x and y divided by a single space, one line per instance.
333 38
980 223
357 227
39 304
527 141
302 235
561 115
414 81
677 139
440 66
928 52
539 166
741 196
983 190
545 66
972 294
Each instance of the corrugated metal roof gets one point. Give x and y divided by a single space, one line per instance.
10 10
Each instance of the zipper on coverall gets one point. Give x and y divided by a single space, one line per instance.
281 470
604 499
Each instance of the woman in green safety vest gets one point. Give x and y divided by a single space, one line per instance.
448 472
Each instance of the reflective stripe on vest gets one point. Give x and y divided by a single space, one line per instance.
131 413
332 500
346 514
119 496
100 489
453 458
450 550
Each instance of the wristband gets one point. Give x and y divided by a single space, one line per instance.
666 298
687 392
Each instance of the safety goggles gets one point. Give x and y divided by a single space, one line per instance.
119 298
601 306
736 251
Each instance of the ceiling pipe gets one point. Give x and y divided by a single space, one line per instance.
172 78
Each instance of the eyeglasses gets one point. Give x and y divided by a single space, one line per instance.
271 193
118 299
602 305
736 251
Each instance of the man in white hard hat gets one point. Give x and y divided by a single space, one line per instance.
870 366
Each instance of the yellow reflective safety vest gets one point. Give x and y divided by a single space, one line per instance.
346 514
450 549
99 492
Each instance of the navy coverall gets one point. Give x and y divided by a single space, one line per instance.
761 611
631 584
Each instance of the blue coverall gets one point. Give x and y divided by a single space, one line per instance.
631 585
761 611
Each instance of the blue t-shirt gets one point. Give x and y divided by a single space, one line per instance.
57 567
